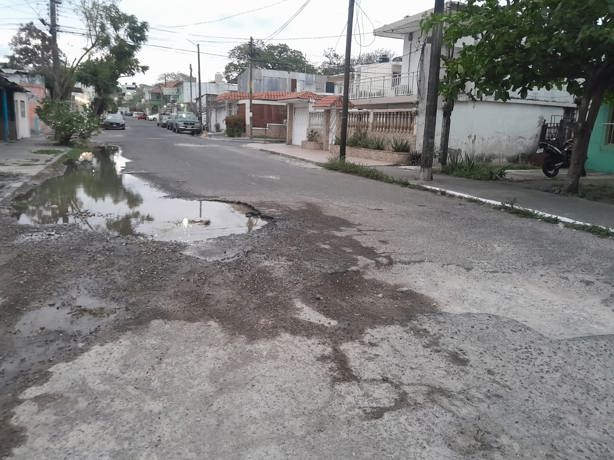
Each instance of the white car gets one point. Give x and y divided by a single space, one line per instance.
153 117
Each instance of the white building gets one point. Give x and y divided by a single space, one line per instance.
483 127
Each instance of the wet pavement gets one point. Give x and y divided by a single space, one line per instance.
98 196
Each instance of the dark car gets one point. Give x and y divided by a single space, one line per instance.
170 121
114 121
162 119
187 122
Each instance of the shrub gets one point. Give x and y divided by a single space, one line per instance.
67 124
400 145
235 126
218 128
472 167
415 159
359 138
376 143
313 136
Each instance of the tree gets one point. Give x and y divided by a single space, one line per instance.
114 38
31 48
335 62
174 76
526 44
273 57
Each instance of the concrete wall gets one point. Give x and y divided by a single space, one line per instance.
493 128
601 154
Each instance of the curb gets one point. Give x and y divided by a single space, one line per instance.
285 155
508 206
27 180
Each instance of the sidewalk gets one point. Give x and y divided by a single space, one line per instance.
18 164
312 156
492 192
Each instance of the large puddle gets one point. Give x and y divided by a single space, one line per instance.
99 197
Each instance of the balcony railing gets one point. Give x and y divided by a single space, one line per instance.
387 86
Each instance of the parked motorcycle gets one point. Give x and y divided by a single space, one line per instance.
555 158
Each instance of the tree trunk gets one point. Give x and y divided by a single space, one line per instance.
448 107
588 108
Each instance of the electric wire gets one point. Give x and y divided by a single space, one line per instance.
287 23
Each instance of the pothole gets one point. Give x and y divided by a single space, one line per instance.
98 196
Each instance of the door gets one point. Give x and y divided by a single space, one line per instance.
21 115
299 125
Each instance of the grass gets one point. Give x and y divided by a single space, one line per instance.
472 167
372 173
597 192
48 152
359 170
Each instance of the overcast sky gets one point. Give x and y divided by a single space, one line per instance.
220 25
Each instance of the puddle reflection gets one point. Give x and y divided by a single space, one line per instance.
100 198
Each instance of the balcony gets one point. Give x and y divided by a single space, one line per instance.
395 86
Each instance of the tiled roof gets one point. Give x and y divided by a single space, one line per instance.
331 101
269 96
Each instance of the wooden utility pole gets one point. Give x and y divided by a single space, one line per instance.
346 83
55 53
200 96
430 113
191 91
251 86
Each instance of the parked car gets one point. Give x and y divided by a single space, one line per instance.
114 121
128 114
187 122
153 117
162 119
139 115
170 121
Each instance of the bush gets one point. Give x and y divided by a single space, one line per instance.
472 167
376 143
235 126
359 138
218 128
67 124
313 136
400 145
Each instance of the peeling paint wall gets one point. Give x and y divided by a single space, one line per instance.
493 128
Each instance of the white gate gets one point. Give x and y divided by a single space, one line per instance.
22 122
299 125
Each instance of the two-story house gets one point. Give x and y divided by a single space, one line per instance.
483 127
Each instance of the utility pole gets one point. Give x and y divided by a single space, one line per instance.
55 54
251 85
346 83
191 92
430 113
200 96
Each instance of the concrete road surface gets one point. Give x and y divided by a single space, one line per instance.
364 320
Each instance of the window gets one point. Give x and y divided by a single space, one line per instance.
22 108
609 129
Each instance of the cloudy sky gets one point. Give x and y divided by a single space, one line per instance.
176 26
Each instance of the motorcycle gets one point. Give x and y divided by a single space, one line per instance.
556 158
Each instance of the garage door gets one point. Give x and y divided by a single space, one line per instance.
299 126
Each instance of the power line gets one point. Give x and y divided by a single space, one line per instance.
241 13
290 19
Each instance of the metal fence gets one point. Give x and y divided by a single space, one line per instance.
384 86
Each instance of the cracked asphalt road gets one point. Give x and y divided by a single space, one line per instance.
366 320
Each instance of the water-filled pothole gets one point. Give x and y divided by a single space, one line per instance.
99 197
